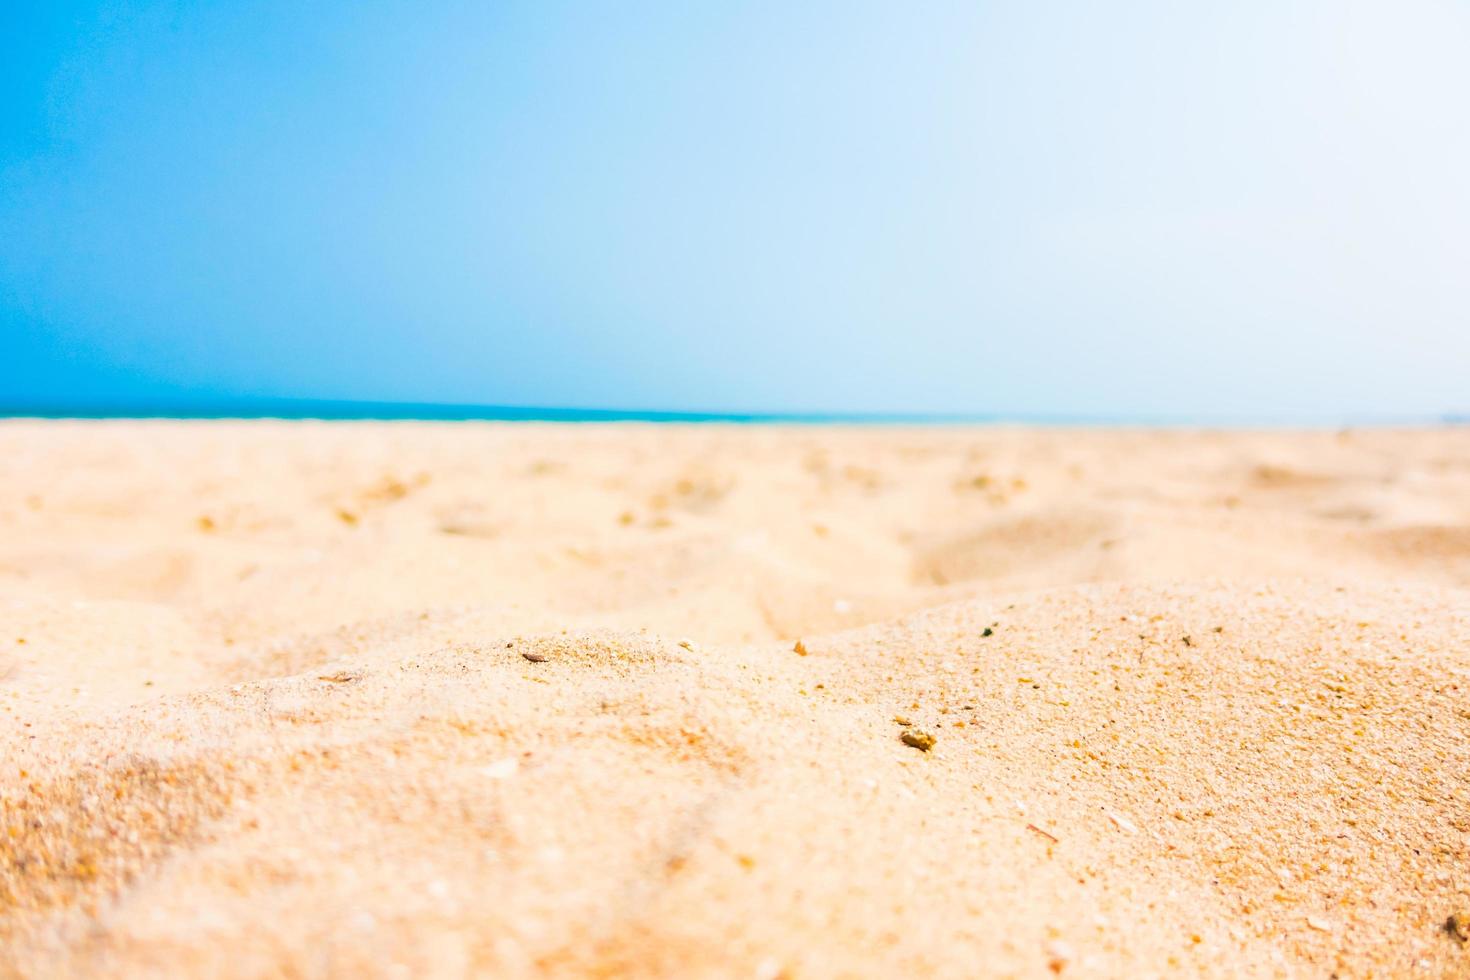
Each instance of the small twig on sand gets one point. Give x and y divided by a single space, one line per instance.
1032 826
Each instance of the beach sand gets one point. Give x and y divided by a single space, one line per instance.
402 699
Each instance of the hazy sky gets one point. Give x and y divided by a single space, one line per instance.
1254 209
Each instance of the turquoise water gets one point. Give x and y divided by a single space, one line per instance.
432 411
282 408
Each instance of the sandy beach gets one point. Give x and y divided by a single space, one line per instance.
409 699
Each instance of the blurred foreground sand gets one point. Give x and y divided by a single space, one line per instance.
314 699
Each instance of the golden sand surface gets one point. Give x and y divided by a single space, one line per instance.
402 699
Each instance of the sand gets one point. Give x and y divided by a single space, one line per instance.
312 699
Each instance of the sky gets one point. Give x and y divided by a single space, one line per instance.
1252 210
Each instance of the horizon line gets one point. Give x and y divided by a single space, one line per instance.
367 410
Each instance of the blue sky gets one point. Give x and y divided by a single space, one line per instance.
1254 209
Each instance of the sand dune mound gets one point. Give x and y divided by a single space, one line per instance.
1127 779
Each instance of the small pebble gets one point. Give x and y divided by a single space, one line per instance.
535 658
922 741
1458 926
800 648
